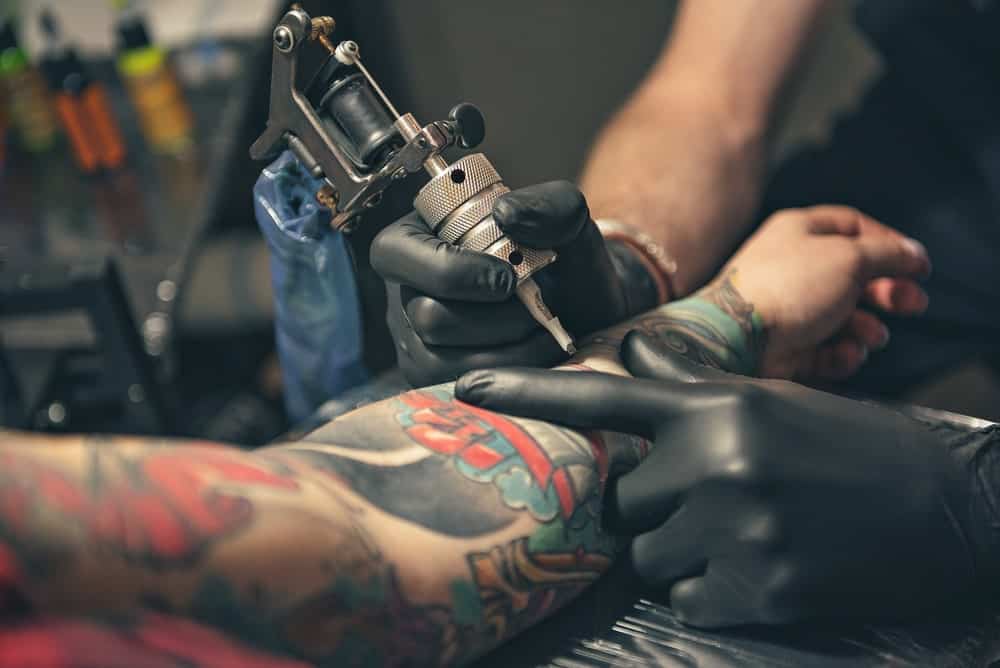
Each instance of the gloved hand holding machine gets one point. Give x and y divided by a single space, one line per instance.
344 130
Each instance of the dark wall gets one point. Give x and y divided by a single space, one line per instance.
546 74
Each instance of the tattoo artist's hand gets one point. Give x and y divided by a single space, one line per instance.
451 310
805 271
763 501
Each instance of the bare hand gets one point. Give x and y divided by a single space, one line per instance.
806 270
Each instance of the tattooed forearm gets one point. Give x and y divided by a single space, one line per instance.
715 327
525 495
418 530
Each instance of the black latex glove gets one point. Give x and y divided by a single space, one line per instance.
451 310
764 501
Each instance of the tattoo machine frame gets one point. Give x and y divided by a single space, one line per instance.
344 130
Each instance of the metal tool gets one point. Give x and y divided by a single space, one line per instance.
344 130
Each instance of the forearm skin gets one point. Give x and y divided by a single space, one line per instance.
418 530
685 157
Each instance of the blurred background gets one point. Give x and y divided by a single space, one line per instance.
134 286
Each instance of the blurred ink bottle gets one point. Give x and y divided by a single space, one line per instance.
153 87
27 100
3 131
82 105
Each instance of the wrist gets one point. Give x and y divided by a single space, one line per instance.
730 333
642 292
639 258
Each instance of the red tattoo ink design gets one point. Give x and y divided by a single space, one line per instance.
161 509
488 447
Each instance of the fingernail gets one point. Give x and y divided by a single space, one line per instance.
915 248
884 339
864 354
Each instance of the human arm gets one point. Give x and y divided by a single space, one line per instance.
684 158
767 502
417 530
804 270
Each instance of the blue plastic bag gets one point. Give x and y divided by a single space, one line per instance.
317 311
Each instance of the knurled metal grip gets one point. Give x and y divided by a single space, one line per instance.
458 205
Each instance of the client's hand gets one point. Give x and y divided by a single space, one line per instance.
763 501
451 310
804 272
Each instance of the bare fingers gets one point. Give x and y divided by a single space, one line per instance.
897 296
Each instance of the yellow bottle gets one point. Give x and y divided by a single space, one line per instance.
152 85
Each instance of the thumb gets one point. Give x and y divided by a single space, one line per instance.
644 357
545 215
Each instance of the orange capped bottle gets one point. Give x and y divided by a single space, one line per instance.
82 106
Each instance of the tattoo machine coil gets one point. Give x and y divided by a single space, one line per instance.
344 130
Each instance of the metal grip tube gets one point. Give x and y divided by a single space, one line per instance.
458 205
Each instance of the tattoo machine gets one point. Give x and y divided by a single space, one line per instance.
344 130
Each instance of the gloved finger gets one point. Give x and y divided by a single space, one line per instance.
467 324
555 216
721 597
673 550
429 365
645 357
898 296
892 256
867 329
546 215
586 400
406 252
713 519
583 276
840 359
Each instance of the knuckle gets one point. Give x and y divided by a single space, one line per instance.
576 202
854 259
687 606
746 402
789 218
743 463
779 597
849 212
426 316
764 532
747 395
738 467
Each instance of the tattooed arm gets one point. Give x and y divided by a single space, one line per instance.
416 530
419 530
